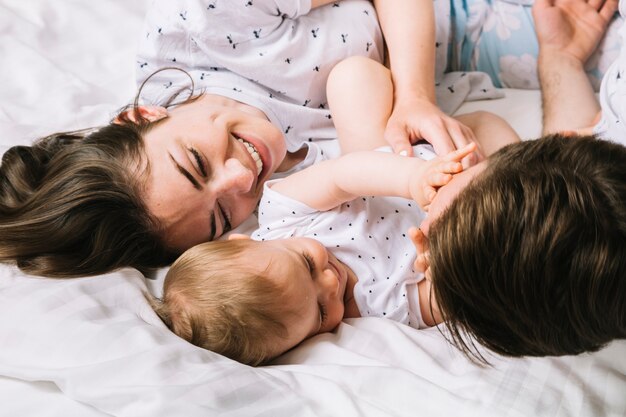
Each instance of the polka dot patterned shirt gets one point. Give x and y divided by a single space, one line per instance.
369 235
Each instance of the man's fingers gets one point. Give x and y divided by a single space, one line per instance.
596 4
608 9
542 4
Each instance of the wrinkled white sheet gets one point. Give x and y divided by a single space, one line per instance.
92 346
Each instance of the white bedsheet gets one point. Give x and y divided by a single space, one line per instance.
92 346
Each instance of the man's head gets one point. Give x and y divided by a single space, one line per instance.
530 258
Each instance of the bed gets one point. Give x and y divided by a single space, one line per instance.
93 347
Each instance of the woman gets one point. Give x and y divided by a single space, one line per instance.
150 184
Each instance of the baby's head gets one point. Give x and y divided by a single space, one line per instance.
252 301
530 258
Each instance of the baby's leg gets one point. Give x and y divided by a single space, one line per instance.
492 132
360 96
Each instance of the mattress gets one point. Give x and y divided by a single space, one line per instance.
93 347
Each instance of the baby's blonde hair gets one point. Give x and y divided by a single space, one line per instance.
212 299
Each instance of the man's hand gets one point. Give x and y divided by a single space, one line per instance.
572 27
568 32
415 119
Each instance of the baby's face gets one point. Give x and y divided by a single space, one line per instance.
313 282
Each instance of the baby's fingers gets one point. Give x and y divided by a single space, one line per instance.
459 154
449 167
430 193
435 180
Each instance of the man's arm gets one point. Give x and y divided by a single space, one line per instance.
567 97
330 183
568 32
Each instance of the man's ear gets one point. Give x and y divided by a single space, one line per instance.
238 236
151 113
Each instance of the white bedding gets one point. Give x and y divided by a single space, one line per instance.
92 346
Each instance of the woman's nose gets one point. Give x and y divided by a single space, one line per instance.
234 178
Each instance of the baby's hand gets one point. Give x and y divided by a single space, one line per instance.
437 173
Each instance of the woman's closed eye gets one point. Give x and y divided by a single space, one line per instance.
224 218
200 163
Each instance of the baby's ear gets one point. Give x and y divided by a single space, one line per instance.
238 236
152 113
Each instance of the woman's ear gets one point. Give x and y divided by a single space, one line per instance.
238 236
151 113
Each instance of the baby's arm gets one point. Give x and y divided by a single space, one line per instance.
330 183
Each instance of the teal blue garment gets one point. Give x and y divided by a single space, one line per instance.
497 37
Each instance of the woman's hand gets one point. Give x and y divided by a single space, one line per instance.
413 119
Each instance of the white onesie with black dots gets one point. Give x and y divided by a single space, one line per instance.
369 235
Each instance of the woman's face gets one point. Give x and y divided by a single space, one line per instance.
447 194
208 161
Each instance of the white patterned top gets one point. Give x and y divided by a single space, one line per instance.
369 235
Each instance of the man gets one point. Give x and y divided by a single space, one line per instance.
568 31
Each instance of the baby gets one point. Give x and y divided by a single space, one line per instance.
329 246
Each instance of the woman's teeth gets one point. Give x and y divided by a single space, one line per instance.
255 155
